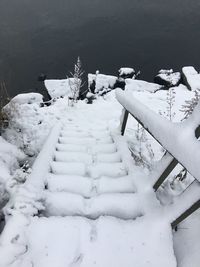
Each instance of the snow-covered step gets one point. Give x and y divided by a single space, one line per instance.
104 140
74 134
71 148
70 183
104 148
86 133
107 169
111 157
124 206
68 168
73 157
87 187
77 141
112 185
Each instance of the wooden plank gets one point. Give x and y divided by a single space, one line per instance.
186 214
124 121
165 173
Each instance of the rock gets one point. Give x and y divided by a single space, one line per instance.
127 73
168 78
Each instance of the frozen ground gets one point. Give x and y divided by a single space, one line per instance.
83 185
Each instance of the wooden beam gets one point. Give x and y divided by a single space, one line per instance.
186 214
165 173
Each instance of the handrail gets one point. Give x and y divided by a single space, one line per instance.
144 117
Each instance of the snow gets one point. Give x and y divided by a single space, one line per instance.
139 85
129 240
59 88
192 77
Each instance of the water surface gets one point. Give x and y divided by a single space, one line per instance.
47 36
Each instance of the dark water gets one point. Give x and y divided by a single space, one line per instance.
47 36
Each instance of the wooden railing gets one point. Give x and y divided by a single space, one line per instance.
170 160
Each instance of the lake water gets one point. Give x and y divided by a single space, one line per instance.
48 35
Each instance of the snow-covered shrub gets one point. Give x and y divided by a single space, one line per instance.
190 104
10 159
170 100
29 124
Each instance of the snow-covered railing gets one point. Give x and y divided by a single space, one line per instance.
179 140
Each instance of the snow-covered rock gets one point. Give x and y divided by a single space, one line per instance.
139 85
168 78
191 78
59 88
126 73
99 82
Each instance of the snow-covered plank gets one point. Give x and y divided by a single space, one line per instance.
177 138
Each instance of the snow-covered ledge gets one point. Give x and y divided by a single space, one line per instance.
177 138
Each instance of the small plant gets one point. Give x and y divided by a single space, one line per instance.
76 82
189 105
4 99
144 154
170 104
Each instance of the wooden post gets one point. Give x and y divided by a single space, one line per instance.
124 121
186 214
165 173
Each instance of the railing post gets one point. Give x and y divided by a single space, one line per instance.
124 121
170 167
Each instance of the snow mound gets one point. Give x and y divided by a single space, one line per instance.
192 78
28 98
140 85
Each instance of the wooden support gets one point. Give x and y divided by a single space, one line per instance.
186 214
165 173
124 121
